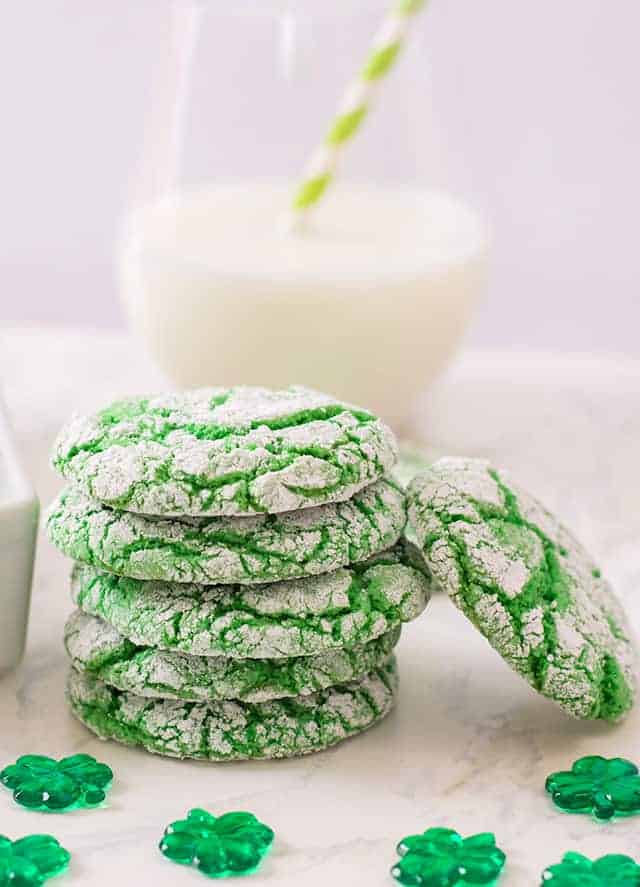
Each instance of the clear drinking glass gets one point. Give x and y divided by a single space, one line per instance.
367 300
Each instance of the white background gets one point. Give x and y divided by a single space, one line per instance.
538 103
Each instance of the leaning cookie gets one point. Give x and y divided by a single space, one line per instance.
98 649
265 548
228 730
225 451
527 584
344 609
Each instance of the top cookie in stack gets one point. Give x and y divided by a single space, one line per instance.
217 451
235 487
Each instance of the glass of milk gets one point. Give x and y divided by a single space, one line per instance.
370 298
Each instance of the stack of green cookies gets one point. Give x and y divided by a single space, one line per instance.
239 578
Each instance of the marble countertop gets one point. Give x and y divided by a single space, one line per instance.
469 745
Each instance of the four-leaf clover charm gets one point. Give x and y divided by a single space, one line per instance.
232 844
604 787
29 861
42 783
578 871
440 857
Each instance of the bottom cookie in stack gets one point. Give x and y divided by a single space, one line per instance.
230 730
233 672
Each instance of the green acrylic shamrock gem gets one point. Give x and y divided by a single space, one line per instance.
29 861
604 787
578 871
440 857
42 783
232 844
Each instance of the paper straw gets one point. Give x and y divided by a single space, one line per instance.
354 107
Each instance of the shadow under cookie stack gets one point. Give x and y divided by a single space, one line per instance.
240 577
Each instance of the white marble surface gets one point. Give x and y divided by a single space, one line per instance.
469 745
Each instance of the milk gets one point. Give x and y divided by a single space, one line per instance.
367 301
19 511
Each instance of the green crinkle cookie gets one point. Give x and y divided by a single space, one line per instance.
231 451
227 731
527 584
305 617
100 650
264 548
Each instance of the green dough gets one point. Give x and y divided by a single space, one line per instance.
231 451
346 608
264 548
228 730
527 584
98 649
412 459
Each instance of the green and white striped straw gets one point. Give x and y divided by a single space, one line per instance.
354 107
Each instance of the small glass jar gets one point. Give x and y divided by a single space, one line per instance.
19 512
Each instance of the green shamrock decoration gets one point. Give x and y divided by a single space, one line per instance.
42 783
578 871
604 787
232 844
29 861
440 857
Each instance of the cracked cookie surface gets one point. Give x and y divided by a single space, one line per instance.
527 584
98 649
264 548
228 730
224 451
343 609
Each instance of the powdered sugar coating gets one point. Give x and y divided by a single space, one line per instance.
217 451
343 609
229 730
97 648
248 550
527 584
